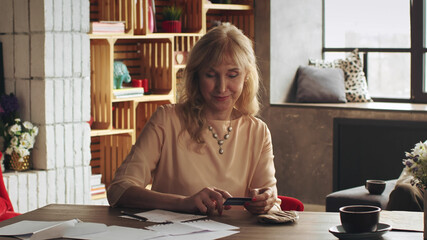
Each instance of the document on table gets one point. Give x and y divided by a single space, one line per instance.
403 220
37 229
195 228
74 229
162 216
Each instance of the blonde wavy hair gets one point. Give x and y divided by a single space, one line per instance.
224 41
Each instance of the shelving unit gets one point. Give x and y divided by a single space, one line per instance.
117 122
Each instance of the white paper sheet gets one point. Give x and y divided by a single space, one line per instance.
118 232
177 228
26 227
200 235
55 231
403 220
36 230
161 216
211 225
84 228
174 229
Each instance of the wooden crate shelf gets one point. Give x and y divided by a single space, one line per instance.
159 57
105 132
147 58
143 113
233 7
108 152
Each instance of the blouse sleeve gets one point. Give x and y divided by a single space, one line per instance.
264 174
137 168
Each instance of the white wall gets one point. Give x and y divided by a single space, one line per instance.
46 57
296 36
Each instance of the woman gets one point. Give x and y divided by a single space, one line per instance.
209 147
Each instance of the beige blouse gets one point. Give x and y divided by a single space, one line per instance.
178 165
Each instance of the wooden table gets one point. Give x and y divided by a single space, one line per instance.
311 225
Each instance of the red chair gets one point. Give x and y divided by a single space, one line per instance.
291 204
6 208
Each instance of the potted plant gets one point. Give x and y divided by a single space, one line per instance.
171 19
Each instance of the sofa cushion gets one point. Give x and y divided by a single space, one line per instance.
358 196
355 80
316 85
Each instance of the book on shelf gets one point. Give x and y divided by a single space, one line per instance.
95 179
99 196
100 188
107 27
128 92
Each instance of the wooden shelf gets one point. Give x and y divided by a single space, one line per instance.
106 132
147 55
179 66
127 36
147 98
235 7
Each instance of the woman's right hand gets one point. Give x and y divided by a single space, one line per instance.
207 201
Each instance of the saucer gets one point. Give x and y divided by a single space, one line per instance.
340 233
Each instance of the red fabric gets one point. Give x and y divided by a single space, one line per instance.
291 204
6 208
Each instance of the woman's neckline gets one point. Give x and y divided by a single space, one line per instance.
236 114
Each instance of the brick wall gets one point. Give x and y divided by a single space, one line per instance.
46 57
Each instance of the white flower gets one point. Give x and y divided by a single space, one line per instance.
34 132
26 144
21 136
28 125
26 137
15 129
420 150
416 164
22 152
14 141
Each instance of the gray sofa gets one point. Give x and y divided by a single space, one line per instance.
358 195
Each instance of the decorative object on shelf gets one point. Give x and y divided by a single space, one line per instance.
151 16
180 57
141 83
145 86
19 137
416 164
103 27
19 140
137 83
171 19
128 92
121 74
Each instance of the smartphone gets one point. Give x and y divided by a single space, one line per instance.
237 200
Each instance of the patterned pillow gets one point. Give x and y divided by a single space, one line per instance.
356 88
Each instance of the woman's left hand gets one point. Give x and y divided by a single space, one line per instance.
263 199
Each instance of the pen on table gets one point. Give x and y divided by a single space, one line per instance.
134 216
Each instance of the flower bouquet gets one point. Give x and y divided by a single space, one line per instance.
416 164
18 136
19 140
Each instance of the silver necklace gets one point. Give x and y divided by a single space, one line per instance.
221 141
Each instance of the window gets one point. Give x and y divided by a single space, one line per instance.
390 35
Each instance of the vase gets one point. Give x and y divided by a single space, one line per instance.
15 164
171 26
425 214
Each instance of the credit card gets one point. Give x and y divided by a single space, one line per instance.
237 200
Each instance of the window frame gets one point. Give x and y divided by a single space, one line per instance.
417 52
